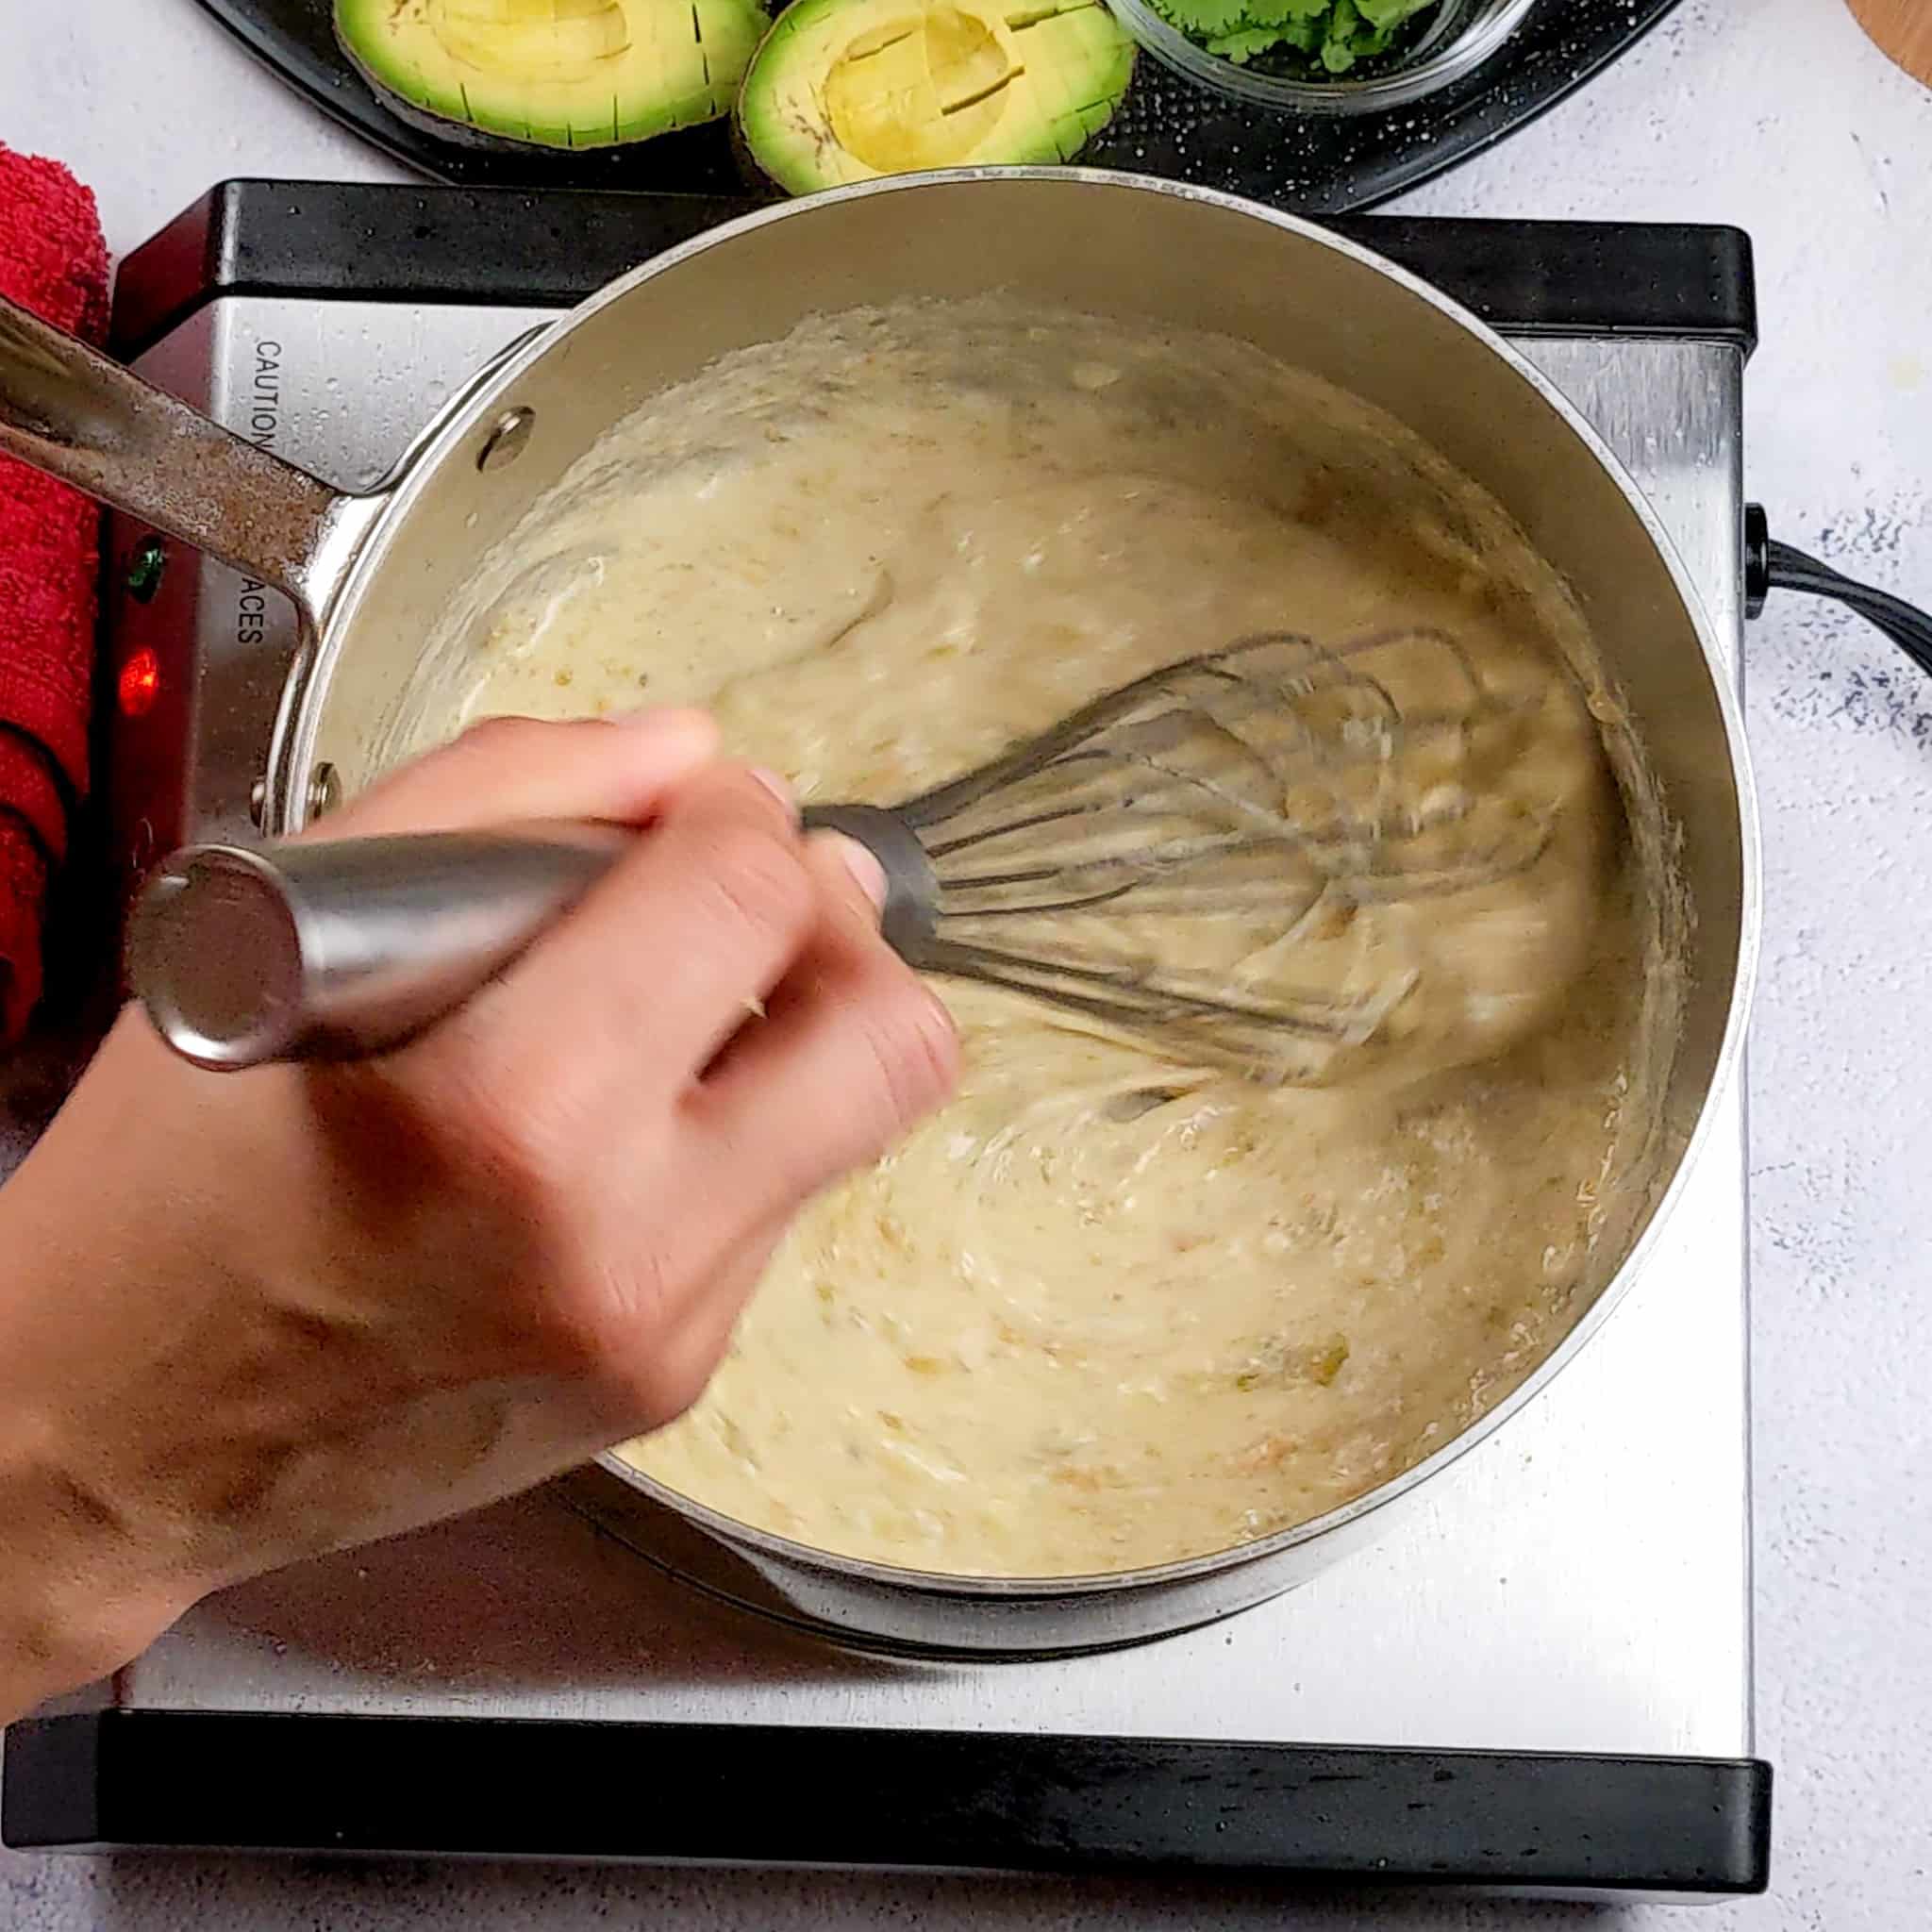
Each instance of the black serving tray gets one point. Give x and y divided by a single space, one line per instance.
1169 126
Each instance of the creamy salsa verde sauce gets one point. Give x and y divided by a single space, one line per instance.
1106 1311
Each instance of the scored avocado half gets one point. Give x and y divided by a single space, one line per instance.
846 89
561 74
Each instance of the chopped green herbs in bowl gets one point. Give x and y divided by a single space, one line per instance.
1324 57
1309 40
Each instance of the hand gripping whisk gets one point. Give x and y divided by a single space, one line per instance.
1183 859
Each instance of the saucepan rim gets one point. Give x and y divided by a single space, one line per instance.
305 701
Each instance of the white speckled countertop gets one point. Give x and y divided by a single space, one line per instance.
1778 116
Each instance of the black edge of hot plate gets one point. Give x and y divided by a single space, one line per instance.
365 242
1168 126
793 1795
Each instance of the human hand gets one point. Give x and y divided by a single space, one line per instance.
247 1318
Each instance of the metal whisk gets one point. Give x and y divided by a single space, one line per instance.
1169 861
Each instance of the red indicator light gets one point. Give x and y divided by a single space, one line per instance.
140 683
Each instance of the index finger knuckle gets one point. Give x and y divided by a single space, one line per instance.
757 887
906 1049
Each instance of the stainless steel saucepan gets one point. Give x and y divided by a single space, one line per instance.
370 574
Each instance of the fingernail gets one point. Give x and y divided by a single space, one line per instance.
672 740
777 787
868 875
668 720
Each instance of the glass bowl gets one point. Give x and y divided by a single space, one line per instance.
1460 38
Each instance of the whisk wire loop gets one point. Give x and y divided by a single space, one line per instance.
1256 794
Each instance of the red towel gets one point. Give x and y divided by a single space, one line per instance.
54 261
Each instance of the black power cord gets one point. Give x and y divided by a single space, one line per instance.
1769 565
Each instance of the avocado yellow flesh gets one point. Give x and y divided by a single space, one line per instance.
920 93
846 89
562 41
566 73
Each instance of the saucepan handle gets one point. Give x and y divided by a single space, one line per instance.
75 413
1769 565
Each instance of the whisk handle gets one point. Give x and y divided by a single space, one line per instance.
340 949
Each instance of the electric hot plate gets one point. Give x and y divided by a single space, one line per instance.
1539 1678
